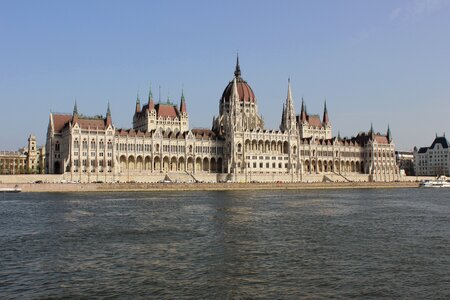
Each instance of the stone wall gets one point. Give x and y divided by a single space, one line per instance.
30 178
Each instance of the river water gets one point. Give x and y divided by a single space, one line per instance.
316 244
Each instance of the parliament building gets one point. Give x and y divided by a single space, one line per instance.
237 148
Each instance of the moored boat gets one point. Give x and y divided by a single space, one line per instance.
441 181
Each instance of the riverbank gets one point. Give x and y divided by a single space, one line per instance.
119 187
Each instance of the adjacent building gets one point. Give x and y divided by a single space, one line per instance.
405 162
27 160
236 148
433 160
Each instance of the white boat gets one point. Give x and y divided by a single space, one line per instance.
15 189
441 181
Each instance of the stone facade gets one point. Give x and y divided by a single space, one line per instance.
237 148
433 160
27 160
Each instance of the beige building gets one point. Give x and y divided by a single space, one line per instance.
433 160
27 160
237 148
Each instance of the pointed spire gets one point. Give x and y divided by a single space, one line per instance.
183 103
325 114
372 132
108 116
75 108
339 135
138 104
151 102
289 122
303 112
388 134
234 94
289 93
237 72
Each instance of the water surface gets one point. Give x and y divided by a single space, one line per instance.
361 243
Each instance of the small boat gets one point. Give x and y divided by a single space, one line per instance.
441 181
15 189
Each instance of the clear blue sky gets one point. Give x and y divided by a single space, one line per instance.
386 62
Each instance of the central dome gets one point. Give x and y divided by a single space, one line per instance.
244 90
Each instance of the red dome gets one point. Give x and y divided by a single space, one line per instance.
244 90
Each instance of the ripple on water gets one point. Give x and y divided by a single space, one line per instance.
365 244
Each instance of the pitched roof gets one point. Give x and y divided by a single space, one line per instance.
92 123
199 132
440 140
314 120
381 139
60 120
166 110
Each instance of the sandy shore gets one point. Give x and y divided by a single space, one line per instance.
118 187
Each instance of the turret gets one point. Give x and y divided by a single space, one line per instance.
388 134
303 112
237 71
325 120
75 113
289 122
183 103
138 104
371 131
151 102
108 116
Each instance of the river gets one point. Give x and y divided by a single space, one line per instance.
314 244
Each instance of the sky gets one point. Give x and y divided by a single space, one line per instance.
380 62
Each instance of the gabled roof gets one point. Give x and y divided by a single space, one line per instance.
314 120
203 133
60 120
440 140
92 123
166 110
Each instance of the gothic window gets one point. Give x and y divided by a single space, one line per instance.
57 146
84 145
92 144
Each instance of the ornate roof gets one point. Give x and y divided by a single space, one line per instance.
244 90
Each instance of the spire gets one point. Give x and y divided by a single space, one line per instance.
237 72
183 103
283 118
325 114
234 94
388 134
371 132
289 93
108 116
75 113
303 112
151 102
339 135
289 122
138 104
75 108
